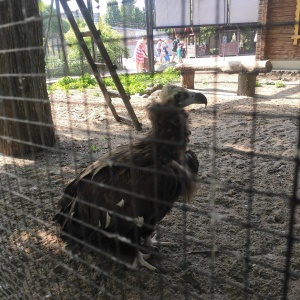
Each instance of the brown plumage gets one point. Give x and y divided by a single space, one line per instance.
116 202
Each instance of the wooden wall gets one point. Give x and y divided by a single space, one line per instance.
275 42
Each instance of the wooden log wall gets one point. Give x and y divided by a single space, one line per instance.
278 19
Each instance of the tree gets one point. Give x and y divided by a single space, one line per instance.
53 29
111 39
113 42
205 34
26 123
126 11
138 17
130 14
247 35
126 15
113 15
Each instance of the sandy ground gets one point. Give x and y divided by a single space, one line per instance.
229 243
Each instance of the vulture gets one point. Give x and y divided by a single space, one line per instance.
116 202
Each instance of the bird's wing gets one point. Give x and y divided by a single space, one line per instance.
126 190
129 195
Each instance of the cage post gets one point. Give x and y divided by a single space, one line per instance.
149 28
61 36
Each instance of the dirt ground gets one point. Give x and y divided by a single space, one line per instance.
229 243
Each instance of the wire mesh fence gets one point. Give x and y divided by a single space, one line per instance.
237 239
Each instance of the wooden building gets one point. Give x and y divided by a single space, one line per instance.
229 41
193 47
279 36
192 44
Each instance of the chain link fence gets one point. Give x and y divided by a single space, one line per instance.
237 239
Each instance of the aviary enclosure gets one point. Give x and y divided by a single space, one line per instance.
238 238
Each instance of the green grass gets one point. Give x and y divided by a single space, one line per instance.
94 148
257 84
71 83
279 84
133 84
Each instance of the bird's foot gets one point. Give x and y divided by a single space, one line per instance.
140 261
152 243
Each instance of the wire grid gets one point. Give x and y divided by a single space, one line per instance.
237 240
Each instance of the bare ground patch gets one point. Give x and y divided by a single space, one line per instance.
231 241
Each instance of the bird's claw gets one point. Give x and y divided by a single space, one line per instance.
140 261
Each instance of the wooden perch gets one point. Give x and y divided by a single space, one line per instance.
230 67
247 70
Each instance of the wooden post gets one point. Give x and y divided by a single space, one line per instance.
246 84
187 78
149 28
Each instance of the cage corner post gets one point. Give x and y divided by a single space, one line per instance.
149 29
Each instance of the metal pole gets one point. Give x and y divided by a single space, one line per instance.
62 41
48 27
94 48
149 28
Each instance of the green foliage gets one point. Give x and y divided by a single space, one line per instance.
113 43
138 83
139 17
133 84
41 6
94 148
74 51
247 39
69 83
170 70
207 32
127 14
111 39
257 84
279 84
214 51
113 15
53 29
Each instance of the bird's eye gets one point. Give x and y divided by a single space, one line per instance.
179 96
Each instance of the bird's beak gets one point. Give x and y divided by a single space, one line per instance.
193 98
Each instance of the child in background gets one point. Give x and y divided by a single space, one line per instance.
179 53
165 51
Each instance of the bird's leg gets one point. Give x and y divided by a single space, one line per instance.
140 261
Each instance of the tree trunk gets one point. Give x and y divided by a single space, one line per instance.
26 123
246 84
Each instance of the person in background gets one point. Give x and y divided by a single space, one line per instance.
255 37
179 53
174 47
158 50
165 52
140 54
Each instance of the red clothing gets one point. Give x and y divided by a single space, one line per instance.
139 54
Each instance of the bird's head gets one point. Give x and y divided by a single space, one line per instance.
177 96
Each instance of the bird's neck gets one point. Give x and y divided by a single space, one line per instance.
170 133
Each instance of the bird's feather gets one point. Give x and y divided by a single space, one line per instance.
117 200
